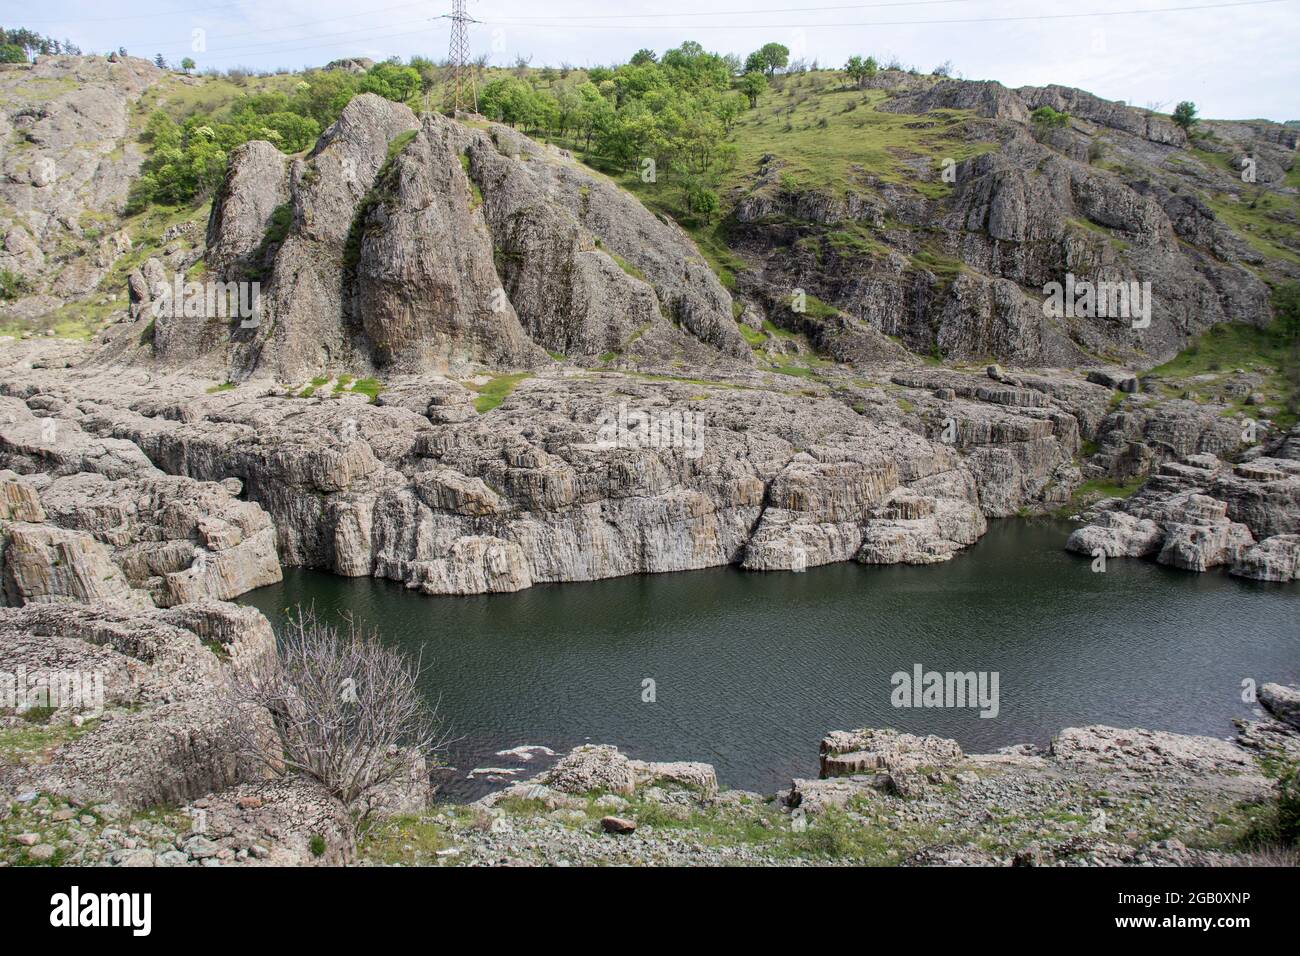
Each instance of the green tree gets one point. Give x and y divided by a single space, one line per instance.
187 64
391 81
860 70
1045 118
642 57
768 58
1185 115
702 202
12 53
753 85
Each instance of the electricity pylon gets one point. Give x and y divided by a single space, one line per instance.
464 87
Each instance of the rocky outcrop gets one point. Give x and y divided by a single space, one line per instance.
1203 513
162 730
575 476
68 162
288 821
426 291
1282 702
401 246
845 753
1028 210
254 191
88 521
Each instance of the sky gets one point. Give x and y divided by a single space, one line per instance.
1236 59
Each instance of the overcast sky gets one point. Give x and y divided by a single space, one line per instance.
1235 59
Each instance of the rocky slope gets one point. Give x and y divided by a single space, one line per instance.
952 258
68 158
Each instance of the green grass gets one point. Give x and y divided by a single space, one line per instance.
82 318
626 266
407 839
398 143
1096 490
25 743
788 123
1266 222
1220 351
310 389
493 393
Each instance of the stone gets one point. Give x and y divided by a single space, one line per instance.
617 825
844 753
591 767
41 853
1282 701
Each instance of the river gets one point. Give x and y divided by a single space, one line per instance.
749 670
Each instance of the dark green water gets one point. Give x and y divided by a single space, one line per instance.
751 669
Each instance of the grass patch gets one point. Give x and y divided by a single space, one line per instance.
403 840
1220 351
493 393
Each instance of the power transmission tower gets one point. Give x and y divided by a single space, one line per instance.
464 85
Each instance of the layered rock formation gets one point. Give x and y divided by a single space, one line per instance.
162 730
1203 513
403 245
88 519
554 486
1105 199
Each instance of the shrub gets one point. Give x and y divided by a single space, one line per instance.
347 711
1185 115
13 285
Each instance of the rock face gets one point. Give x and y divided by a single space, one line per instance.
1203 513
68 160
89 521
1027 211
1148 751
255 187
163 731
844 753
275 823
1282 702
552 485
402 246
591 768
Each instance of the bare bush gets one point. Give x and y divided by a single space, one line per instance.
347 712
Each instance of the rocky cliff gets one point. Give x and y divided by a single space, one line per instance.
400 245
953 257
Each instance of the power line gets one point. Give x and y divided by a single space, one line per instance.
747 12
138 16
894 23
